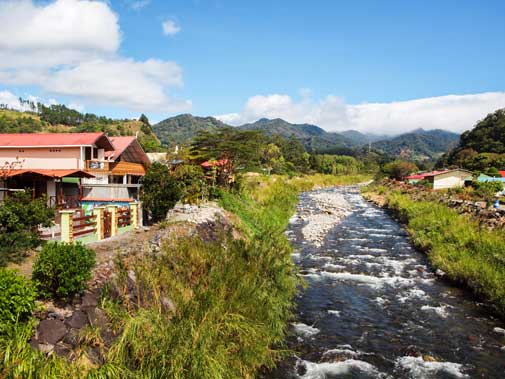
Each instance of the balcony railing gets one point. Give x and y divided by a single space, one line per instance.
96 165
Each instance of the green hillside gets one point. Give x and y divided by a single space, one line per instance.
418 145
181 129
59 119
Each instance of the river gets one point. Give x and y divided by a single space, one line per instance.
374 308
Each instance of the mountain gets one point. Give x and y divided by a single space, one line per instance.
181 129
312 137
419 144
359 138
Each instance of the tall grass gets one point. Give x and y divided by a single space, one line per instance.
213 309
457 245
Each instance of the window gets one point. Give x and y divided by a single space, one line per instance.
55 150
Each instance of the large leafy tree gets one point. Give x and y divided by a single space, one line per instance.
242 148
160 191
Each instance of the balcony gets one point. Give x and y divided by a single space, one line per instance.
97 166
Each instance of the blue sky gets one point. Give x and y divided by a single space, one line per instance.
367 65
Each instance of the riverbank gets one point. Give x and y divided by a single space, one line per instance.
204 298
456 244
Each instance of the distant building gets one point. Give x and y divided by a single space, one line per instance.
442 179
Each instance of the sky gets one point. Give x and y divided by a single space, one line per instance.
375 66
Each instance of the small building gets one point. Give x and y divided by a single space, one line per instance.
442 179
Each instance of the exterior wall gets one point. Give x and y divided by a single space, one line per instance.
449 180
100 178
43 158
51 190
111 191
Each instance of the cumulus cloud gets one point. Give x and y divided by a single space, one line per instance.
70 47
170 28
453 112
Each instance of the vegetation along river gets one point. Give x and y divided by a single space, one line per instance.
373 307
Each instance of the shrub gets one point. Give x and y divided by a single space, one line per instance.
160 191
61 270
487 190
19 218
17 297
192 183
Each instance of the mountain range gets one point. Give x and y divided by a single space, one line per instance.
418 144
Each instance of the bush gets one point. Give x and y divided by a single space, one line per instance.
17 297
61 270
20 217
160 191
487 190
192 183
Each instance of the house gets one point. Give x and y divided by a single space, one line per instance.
116 177
72 168
442 179
486 178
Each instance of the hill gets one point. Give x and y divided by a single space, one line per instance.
49 120
419 144
313 138
481 148
179 130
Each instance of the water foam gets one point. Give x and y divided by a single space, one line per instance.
325 369
304 329
418 368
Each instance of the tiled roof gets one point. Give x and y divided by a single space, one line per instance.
53 139
60 173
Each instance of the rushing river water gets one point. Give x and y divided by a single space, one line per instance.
373 308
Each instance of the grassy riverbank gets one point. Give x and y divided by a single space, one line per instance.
454 243
201 307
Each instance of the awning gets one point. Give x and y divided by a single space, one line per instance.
128 168
59 173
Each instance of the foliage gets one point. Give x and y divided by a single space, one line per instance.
418 145
160 191
483 146
143 119
24 124
487 190
457 245
61 270
398 169
17 297
192 182
20 217
241 148
335 164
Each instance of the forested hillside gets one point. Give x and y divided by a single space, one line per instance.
60 119
418 145
180 130
481 148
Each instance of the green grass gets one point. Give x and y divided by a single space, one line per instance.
457 245
231 300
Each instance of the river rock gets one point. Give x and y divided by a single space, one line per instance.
499 330
78 320
51 331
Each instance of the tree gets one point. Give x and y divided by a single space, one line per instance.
271 157
160 191
241 148
20 216
399 169
143 119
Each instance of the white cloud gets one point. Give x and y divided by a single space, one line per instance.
170 28
452 112
70 48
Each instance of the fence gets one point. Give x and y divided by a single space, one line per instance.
105 222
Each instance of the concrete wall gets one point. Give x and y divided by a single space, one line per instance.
449 180
43 158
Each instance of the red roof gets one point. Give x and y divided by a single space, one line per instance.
120 145
49 173
218 163
502 173
426 174
54 139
